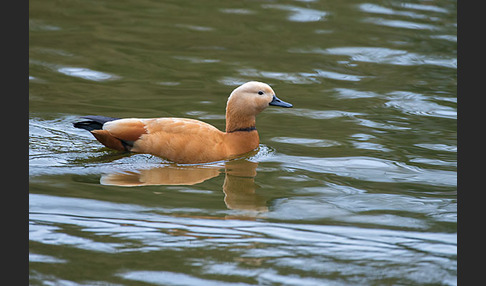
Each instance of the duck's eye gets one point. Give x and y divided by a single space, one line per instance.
260 92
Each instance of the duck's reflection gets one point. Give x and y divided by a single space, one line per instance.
238 187
165 175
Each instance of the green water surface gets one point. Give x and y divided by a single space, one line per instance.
354 185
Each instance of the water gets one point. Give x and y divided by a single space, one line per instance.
355 185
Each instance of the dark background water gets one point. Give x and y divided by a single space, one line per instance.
355 185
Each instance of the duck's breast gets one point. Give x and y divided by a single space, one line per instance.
239 143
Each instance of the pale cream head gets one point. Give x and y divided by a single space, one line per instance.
251 98
246 101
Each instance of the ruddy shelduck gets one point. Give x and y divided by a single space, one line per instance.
190 141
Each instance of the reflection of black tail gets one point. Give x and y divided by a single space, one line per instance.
95 122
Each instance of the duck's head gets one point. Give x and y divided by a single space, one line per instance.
253 97
246 101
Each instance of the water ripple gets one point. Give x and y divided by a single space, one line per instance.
299 14
309 248
400 24
309 142
377 9
239 11
370 169
196 60
438 147
40 25
147 225
418 104
300 77
383 55
86 73
423 7
195 27
169 278
348 93
34 257
317 114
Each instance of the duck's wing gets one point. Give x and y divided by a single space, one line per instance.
128 129
177 139
181 140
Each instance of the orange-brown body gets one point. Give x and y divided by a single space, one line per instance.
190 141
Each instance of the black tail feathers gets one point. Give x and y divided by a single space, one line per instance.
94 122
